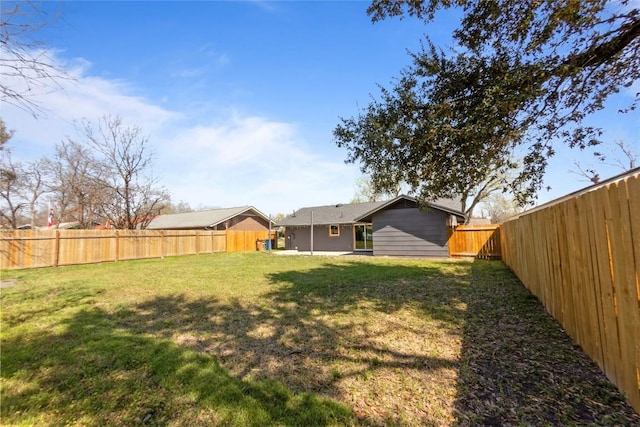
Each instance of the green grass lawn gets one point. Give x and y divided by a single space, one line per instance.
252 339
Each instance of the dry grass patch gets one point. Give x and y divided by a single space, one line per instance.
249 339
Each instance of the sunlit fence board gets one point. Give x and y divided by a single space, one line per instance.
480 241
245 240
84 247
581 258
26 249
51 248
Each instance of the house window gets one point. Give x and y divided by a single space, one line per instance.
334 230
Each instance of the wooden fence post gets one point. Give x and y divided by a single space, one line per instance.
117 244
56 258
165 242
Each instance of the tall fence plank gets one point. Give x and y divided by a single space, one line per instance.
581 258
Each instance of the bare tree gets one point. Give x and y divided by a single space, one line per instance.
76 184
621 155
27 68
126 158
500 207
278 217
8 177
180 207
5 134
21 184
35 185
11 186
367 192
624 156
589 173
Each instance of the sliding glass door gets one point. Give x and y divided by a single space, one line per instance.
363 237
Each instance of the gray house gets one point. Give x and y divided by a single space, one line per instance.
395 227
400 228
334 228
241 218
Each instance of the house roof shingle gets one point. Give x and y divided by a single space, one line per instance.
451 206
355 212
330 214
200 219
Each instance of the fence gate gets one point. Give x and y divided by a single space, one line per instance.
479 241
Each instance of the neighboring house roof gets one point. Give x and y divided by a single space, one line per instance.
62 226
479 221
200 219
451 206
331 214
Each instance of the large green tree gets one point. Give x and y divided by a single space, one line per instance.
521 77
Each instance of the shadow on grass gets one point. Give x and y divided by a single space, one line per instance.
518 367
338 288
342 343
313 331
97 373
279 359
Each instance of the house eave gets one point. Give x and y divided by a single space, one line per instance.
316 223
367 217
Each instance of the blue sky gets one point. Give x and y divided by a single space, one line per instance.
239 99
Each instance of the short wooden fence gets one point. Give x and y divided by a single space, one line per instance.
479 241
52 248
581 258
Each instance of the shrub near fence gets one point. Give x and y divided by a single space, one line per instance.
52 248
581 258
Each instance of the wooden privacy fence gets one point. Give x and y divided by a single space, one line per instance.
52 248
581 258
480 241
241 241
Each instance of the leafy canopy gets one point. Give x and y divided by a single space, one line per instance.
522 76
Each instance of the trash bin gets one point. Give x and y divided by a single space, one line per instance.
267 245
260 245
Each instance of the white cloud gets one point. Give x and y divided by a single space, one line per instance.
233 160
208 58
253 161
189 72
210 51
80 96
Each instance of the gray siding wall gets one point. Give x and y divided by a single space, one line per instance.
300 238
410 232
